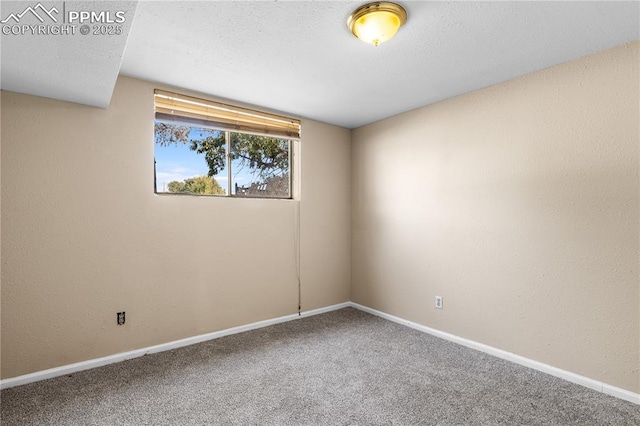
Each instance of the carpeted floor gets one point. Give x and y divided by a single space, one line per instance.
341 368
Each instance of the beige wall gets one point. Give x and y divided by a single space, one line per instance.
325 215
519 205
85 236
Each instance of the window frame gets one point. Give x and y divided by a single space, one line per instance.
230 179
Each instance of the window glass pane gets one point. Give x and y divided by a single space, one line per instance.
190 160
260 166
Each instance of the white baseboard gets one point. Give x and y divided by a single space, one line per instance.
99 362
545 368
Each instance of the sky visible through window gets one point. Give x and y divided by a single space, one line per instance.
177 162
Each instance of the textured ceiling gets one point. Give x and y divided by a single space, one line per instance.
69 66
300 58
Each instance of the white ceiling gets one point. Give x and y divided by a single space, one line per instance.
298 57
75 68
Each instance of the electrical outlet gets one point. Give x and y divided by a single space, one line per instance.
120 318
438 302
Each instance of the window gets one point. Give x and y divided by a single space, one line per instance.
209 148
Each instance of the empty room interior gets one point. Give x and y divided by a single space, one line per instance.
320 212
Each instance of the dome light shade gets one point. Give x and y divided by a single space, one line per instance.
377 22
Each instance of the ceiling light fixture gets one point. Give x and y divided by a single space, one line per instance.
377 22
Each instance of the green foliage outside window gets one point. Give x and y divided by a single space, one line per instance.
267 158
